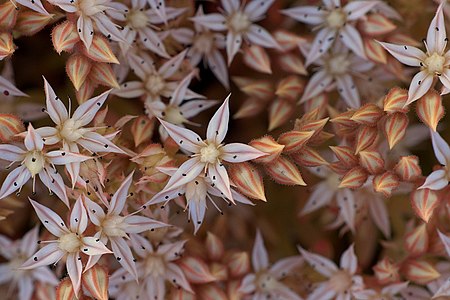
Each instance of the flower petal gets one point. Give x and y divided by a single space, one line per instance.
260 258
33 141
348 91
130 89
192 108
321 196
380 215
55 108
185 138
11 153
85 29
49 254
214 21
322 42
352 39
172 65
255 10
441 148
420 85
138 224
180 92
349 261
61 157
218 66
218 125
16 179
234 42
436 35
259 36
186 173
316 85
306 14
74 269
93 246
78 217
96 142
219 177
55 183
120 196
50 219
408 55
321 264
124 255
437 180
237 152
84 114
346 202
95 211
357 9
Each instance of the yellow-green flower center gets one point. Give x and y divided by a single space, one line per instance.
435 64
336 19
113 226
155 84
70 242
341 281
338 64
137 19
210 154
238 22
34 161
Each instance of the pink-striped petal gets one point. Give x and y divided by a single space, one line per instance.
322 42
172 65
441 148
436 35
234 42
55 183
259 36
85 29
130 89
78 217
218 125
123 255
306 14
437 180
74 269
49 254
95 211
86 112
15 179
255 10
138 224
420 85
352 39
346 203
321 264
94 142
33 141
408 55
50 219
11 153
185 138
120 196
349 261
348 91
192 108
260 258
93 246
357 9
62 157
186 173
214 21
218 66
237 152
55 108
316 85
219 177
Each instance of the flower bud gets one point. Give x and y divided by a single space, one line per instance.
64 37
365 138
408 168
78 68
424 202
280 110
285 172
267 145
100 51
294 140
420 271
368 114
395 101
290 88
257 58
371 161
395 128
248 180
96 281
429 109
354 178
385 183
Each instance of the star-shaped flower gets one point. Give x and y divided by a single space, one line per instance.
265 282
70 242
334 21
114 227
239 22
208 155
434 63
342 282
71 130
16 252
36 161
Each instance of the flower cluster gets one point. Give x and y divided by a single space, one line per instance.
344 187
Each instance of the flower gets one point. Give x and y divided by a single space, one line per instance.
238 21
334 21
71 131
439 179
16 252
91 12
36 161
265 282
208 155
433 63
196 193
157 265
139 22
70 242
115 228
338 66
342 282
205 45
35 5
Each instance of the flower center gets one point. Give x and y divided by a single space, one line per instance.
204 42
89 7
112 226
155 266
341 281
15 265
435 63
137 19
266 282
209 154
173 115
338 64
336 19
238 22
70 131
34 161
155 84
70 242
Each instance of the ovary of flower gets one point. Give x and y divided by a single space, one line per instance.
210 153
338 64
238 22
71 130
137 19
34 161
434 63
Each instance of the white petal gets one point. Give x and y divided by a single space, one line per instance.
78 217
218 125
11 153
171 66
120 196
420 84
234 42
85 30
408 55
352 39
33 141
192 108
185 138
95 142
219 177
437 180
123 254
186 173
55 108
255 10
436 35
49 254
306 14
218 66
259 36
321 196
50 219
321 264
357 9
316 85
131 89
93 246
322 42
180 92
346 202
348 91
74 269
95 211
212 21
380 215
55 183
84 114
15 179
237 152
260 258
441 148
349 261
